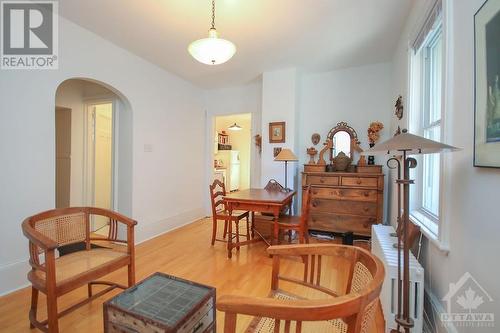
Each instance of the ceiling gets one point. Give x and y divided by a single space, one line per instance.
316 35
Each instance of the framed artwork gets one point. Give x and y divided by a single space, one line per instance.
487 85
277 132
276 151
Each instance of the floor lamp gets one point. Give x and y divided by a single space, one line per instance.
286 155
401 146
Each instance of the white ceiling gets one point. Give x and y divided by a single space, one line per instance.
316 35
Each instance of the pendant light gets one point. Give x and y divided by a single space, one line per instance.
235 127
212 50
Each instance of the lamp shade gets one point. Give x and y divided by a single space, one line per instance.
235 127
286 155
411 144
212 50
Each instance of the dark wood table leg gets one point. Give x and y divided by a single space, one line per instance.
230 232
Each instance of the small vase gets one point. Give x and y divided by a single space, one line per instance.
371 158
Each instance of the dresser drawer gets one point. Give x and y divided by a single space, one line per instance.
360 181
340 223
344 207
322 180
344 194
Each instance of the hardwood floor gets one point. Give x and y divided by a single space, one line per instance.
186 253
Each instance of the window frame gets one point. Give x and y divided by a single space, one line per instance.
434 227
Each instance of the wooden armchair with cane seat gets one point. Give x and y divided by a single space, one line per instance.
345 281
220 212
84 257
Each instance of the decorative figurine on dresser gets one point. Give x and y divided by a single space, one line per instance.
349 197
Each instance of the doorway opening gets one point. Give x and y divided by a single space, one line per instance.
93 131
232 152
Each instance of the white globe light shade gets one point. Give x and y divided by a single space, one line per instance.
212 50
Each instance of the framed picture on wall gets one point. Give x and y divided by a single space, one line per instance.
487 85
277 132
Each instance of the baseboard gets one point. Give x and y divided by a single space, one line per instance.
13 276
158 228
432 319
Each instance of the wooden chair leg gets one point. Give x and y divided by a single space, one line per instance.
230 240
248 228
253 225
34 305
89 290
53 323
214 230
237 235
225 229
131 273
229 322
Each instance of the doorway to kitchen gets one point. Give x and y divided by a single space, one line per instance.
232 151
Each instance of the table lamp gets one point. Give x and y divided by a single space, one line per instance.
401 146
286 155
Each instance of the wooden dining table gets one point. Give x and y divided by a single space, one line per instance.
257 200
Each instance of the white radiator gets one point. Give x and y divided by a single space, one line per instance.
382 247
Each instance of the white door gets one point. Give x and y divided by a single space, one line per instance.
102 161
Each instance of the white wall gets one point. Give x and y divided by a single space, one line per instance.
279 103
167 113
356 95
472 195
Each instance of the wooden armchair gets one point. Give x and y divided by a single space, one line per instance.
359 274
60 228
220 212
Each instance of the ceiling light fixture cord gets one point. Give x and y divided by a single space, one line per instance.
213 14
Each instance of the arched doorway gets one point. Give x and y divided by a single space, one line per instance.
93 124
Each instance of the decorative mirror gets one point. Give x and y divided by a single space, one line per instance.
344 139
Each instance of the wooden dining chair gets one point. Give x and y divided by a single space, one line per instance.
220 212
299 223
347 303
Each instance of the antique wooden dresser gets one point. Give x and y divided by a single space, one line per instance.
345 201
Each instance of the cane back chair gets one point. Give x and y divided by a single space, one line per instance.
349 307
92 257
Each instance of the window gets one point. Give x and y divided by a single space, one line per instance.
426 109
